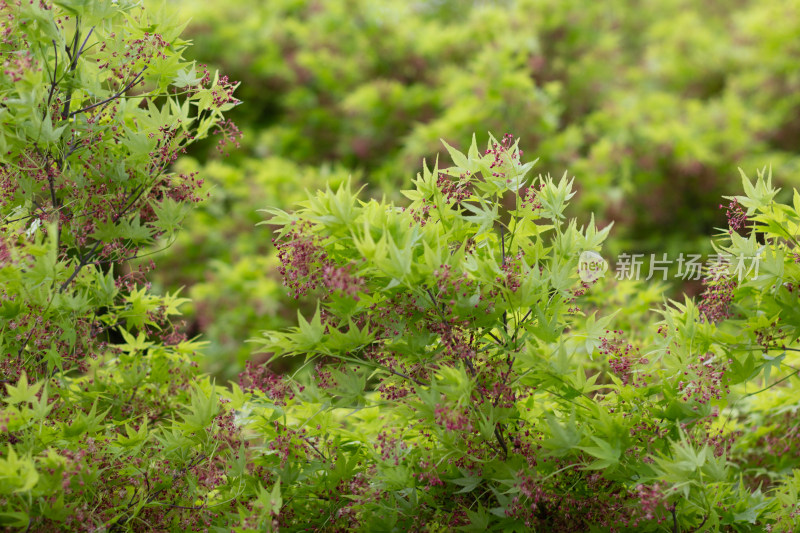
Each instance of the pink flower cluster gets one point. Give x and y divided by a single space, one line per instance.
453 419
262 378
737 218
305 266
622 357
503 155
454 191
715 301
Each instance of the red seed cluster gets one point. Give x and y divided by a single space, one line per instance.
305 266
737 218
228 134
340 279
622 358
261 378
715 301
454 191
771 337
703 381
531 198
652 502
301 257
504 156
452 418
577 501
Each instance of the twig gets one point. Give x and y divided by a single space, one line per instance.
499 435
110 98
53 82
313 447
174 506
84 43
770 386
675 528
400 374
497 340
702 523
83 262
72 66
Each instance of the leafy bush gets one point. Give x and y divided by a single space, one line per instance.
457 375
376 87
233 283
457 370
654 107
106 422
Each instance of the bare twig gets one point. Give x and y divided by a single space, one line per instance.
110 98
499 435
675 528
53 82
72 66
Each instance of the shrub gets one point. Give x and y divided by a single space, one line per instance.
654 107
456 373
457 376
232 278
106 422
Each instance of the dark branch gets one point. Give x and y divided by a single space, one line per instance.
499 435
111 98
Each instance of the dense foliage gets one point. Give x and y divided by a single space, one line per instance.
102 400
653 105
459 375
451 366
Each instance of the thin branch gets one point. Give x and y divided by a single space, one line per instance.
313 447
53 82
705 519
27 339
436 305
497 340
471 368
776 383
761 348
199 459
83 262
110 98
86 259
499 435
400 374
675 528
138 193
133 394
72 66
187 507
503 244
510 362
84 43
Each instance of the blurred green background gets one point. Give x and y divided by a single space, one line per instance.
652 105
